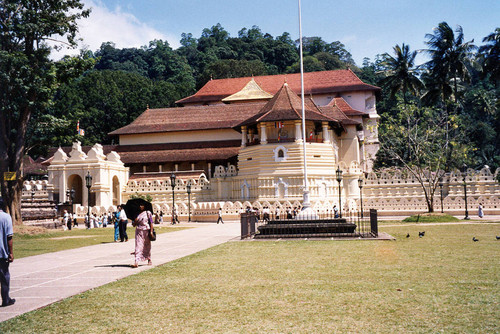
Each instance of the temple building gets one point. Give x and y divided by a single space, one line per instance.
241 139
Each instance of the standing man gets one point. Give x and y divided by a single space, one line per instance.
6 254
123 224
220 216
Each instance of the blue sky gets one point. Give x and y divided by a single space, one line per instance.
365 27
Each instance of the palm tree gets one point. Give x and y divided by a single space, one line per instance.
400 72
450 56
490 55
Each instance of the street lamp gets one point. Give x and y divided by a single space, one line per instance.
72 195
465 191
339 179
441 191
188 189
360 184
172 182
33 192
88 183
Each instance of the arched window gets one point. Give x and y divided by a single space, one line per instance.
280 153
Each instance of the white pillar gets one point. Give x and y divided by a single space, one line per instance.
298 131
192 166
326 138
263 134
243 136
176 167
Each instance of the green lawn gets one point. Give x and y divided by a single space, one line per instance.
26 244
442 283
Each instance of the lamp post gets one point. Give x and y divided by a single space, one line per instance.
172 182
339 179
88 183
67 195
360 184
441 192
33 192
465 191
188 189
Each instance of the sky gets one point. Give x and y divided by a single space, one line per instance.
365 27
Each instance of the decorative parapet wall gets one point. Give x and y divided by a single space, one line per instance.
396 192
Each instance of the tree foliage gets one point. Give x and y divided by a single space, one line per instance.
28 77
423 141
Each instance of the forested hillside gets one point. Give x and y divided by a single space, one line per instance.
460 83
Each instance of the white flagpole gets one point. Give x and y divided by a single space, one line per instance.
305 203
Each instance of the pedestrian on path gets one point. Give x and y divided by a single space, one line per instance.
116 220
220 217
122 224
480 212
143 223
6 254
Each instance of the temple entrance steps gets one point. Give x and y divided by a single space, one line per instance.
320 228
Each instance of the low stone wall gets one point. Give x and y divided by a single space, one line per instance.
393 192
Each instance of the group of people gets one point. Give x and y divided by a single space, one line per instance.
69 220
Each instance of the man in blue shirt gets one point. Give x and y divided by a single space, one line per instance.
6 254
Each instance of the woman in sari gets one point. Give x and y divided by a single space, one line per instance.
142 242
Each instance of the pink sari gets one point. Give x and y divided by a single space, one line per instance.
142 242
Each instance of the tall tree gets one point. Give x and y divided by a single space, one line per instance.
400 72
28 76
417 139
490 54
450 56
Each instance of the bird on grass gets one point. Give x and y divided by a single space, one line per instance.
474 239
408 235
421 234
498 238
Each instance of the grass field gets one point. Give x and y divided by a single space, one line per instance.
28 242
442 283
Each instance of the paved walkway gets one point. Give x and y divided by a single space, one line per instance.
40 280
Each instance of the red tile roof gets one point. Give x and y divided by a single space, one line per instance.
286 105
314 83
335 112
346 107
171 152
218 116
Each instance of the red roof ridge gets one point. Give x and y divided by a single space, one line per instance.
314 83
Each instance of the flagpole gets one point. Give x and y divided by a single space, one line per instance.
305 203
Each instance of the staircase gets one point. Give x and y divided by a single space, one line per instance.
320 228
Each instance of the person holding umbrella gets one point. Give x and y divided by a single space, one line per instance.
141 212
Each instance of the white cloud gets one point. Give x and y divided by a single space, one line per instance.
117 26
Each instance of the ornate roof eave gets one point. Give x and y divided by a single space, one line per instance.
251 91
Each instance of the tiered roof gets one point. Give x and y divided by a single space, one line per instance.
346 107
218 116
314 83
170 152
285 106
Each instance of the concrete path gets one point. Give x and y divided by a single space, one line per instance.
38 281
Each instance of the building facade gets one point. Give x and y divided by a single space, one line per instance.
238 140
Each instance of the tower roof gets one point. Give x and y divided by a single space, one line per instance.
285 106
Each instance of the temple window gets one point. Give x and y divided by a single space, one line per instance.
280 154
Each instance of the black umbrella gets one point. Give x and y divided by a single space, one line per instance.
132 207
